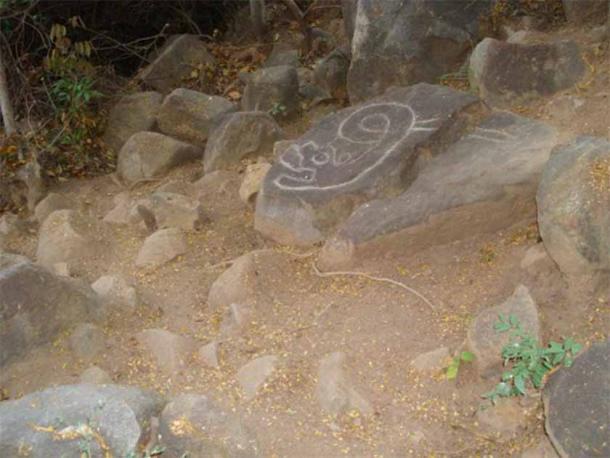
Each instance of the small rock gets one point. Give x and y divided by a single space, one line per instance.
119 414
9 223
486 343
273 90
334 390
192 425
96 376
132 114
49 204
504 420
330 73
253 180
240 135
62 269
31 176
190 115
508 73
114 289
175 61
149 155
254 374
67 236
122 213
161 247
577 405
208 355
235 285
176 210
434 360
169 350
87 341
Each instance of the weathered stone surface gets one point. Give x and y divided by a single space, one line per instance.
176 210
208 355
407 42
51 203
170 351
282 54
577 405
335 393
67 236
508 73
235 285
150 154
253 180
87 341
161 247
115 290
254 374
132 114
495 169
486 343
37 305
192 425
190 115
96 376
431 361
358 154
219 192
122 212
573 202
272 89
330 73
57 421
236 318
505 419
582 11
240 135
175 61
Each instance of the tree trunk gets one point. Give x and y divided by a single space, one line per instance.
8 117
257 15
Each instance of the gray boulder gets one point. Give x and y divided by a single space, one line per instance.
577 405
115 290
509 73
161 247
108 420
176 210
175 61
170 351
193 425
274 90
190 115
253 375
240 135
486 343
235 285
37 305
149 155
358 154
53 201
132 114
573 201
282 54
407 42
494 169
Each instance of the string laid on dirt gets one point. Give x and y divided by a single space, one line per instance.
371 277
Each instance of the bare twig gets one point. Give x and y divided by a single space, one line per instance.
371 277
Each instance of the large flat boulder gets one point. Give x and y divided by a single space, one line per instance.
36 305
149 154
508 73
358 154
190 115
132 113
577 405
494 170
574 206
109 420
407 42
175 61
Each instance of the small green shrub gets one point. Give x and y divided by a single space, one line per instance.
528 361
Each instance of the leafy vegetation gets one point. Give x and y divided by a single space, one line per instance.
454 367
528 362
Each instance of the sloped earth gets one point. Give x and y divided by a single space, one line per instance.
302 317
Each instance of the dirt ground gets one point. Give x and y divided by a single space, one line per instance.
301 317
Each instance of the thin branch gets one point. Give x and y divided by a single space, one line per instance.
371 277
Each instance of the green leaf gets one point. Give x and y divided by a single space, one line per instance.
452 371
467 356
520 384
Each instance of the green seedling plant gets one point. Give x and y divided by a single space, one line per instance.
527 360
454 367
